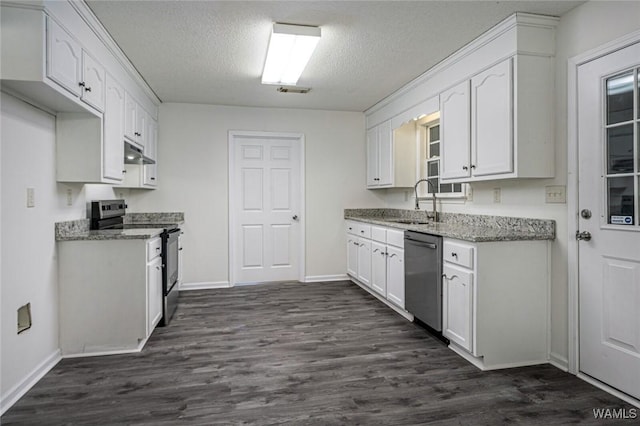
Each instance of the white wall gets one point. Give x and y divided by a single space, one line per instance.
583 28
193 177
28 253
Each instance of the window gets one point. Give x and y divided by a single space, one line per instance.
432 163
622 162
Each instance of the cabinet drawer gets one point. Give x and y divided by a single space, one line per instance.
363 230
379 234
351 227
395 238
154 248
459 254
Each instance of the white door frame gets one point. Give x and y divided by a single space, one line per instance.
233 134
572 200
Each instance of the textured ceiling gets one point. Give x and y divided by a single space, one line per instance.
212 52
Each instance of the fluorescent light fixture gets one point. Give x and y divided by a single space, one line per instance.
290 48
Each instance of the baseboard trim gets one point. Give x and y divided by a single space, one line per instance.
207 285
327 278
402 312
109 352
559 362
479 362
15 393
623 396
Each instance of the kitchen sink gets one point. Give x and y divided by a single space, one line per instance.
408 221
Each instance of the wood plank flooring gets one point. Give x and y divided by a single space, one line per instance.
299 354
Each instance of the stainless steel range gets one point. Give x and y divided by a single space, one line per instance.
109 214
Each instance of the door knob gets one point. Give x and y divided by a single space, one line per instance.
295 217
584 235
585 213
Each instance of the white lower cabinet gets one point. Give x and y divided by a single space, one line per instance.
110 295
375 259
379 268
495 309
154 292
364 261
457 309
395 275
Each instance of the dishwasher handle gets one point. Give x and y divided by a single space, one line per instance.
421 243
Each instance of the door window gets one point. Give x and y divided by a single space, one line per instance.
622 148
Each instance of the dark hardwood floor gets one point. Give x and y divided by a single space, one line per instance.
300 354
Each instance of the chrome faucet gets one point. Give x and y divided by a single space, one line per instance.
434 214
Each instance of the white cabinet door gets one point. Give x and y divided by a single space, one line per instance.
364 261
395 275
130 123
385 154
113 139
93 82
352 256
455 132
379 268
150 176
457 306
64 58
141 131
372 157
154 293
492 121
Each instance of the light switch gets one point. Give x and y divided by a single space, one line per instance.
497 195
555 194
31 197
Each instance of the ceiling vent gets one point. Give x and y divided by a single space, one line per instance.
293 89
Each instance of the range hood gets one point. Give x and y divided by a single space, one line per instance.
135 155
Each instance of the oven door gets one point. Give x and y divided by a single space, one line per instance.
170 259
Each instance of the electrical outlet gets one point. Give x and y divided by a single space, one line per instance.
69 197
555 194
497 195
31 197
469 193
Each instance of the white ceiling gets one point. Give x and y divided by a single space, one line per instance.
212 52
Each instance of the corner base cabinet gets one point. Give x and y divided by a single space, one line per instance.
495 301
110 295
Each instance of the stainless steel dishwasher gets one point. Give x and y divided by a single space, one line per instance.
423 277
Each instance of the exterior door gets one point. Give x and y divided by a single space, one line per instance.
609 182
266 200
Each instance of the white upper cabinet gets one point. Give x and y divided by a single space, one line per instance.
136 119
64 58
113 157
454 128
500 139
93 82
73 68
496 100
390 156
492 121
53 58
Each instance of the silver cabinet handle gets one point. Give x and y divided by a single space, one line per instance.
295 217
453 254
449 278
393 254
376 250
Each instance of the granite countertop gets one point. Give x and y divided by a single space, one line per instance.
475 228
137 226
112 234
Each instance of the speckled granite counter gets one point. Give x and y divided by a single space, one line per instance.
476 228
137 226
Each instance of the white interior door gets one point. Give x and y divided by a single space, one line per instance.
609 179
266 237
